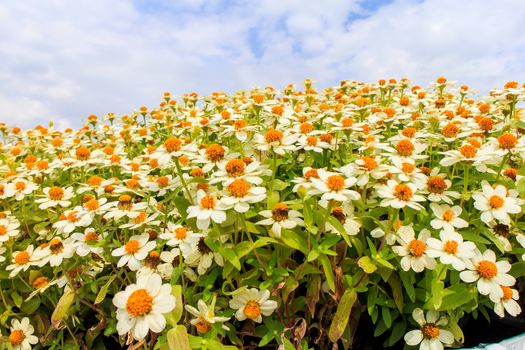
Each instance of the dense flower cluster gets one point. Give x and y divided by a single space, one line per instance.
285 212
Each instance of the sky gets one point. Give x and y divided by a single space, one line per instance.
63 60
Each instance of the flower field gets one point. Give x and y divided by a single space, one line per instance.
267 219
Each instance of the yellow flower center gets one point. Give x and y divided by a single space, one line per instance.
56 193
369 163
92 204
451 247
208 202
202 326
40 282
273 135
495 202
22 258
436 184
72 216
124 202
468 151
91 237
487 269
140 303
215 152
409 132
448 215
94 181
140 218
239 188
335 182
16 337
311 140
311 173
405 148
430 331
56 246
163 181
507 141
252 310
172 144
132 246
403 192
20 185
3 230
507 293
82 153
450 130
235 167
417 248
181 233
408 168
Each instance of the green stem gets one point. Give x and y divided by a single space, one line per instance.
179 171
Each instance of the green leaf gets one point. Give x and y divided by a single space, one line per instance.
295 241
182 204
178 338
17 299
366 264
230 255
397 333
62 308
397 292
518 269
340 228
342 314
408 284
455 296
328 271
174 316
272 199
104 290
437 293
387 317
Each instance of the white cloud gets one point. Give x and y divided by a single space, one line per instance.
63 60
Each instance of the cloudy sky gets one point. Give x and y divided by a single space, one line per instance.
62 60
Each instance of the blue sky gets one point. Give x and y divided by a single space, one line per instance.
64 60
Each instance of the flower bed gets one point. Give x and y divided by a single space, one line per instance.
266 218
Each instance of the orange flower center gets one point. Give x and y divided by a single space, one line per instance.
235 167
140 218
311 173
94 181
208 202
172 144
430 331
369 163
215 152
487 269
450 130
417 248
132 246
409 132
40 282
507 141
3 230
239 124
202 326
22 258
273 135
280 212
436 184
16 337
239 188
451 247
56 193
72 217
511 173
507 293
91 237
326 138
20 185
92 204
468 151
181 233
56 246
405 148
495 202
335 182
306 128
408 168
82 153
311 140
140 303
448 215
252 310
403 192
337 213
347 122
124 202
486 124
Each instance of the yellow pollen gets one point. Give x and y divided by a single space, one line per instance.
40 282
311 173
239 188
448 215
22 258
252 310
208 202
496 202
311 140
16 337
430 331
507 141
451 247
140 303
172 144
280 212
20 185
409 132
405 148
215 152
92 204
507 293
468 151
3 230
91 237
335 182
436 184
202 326
132 246
163 181
487 269
403 192
408 168
417 248
235 167
273 135
94 181
82 153
140 218
181 233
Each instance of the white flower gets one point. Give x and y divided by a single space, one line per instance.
54 252
447 218
204 316
87 242
202 257
332 186
495 203
451 249
398 195
180 236
208 207
489 274
8 229
141 306
241 194
431 335
437 187
521 240
280 217
365 168
508 303
71 219
21 261
22 187
55 196
413 251
134 251
21 335
253 304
